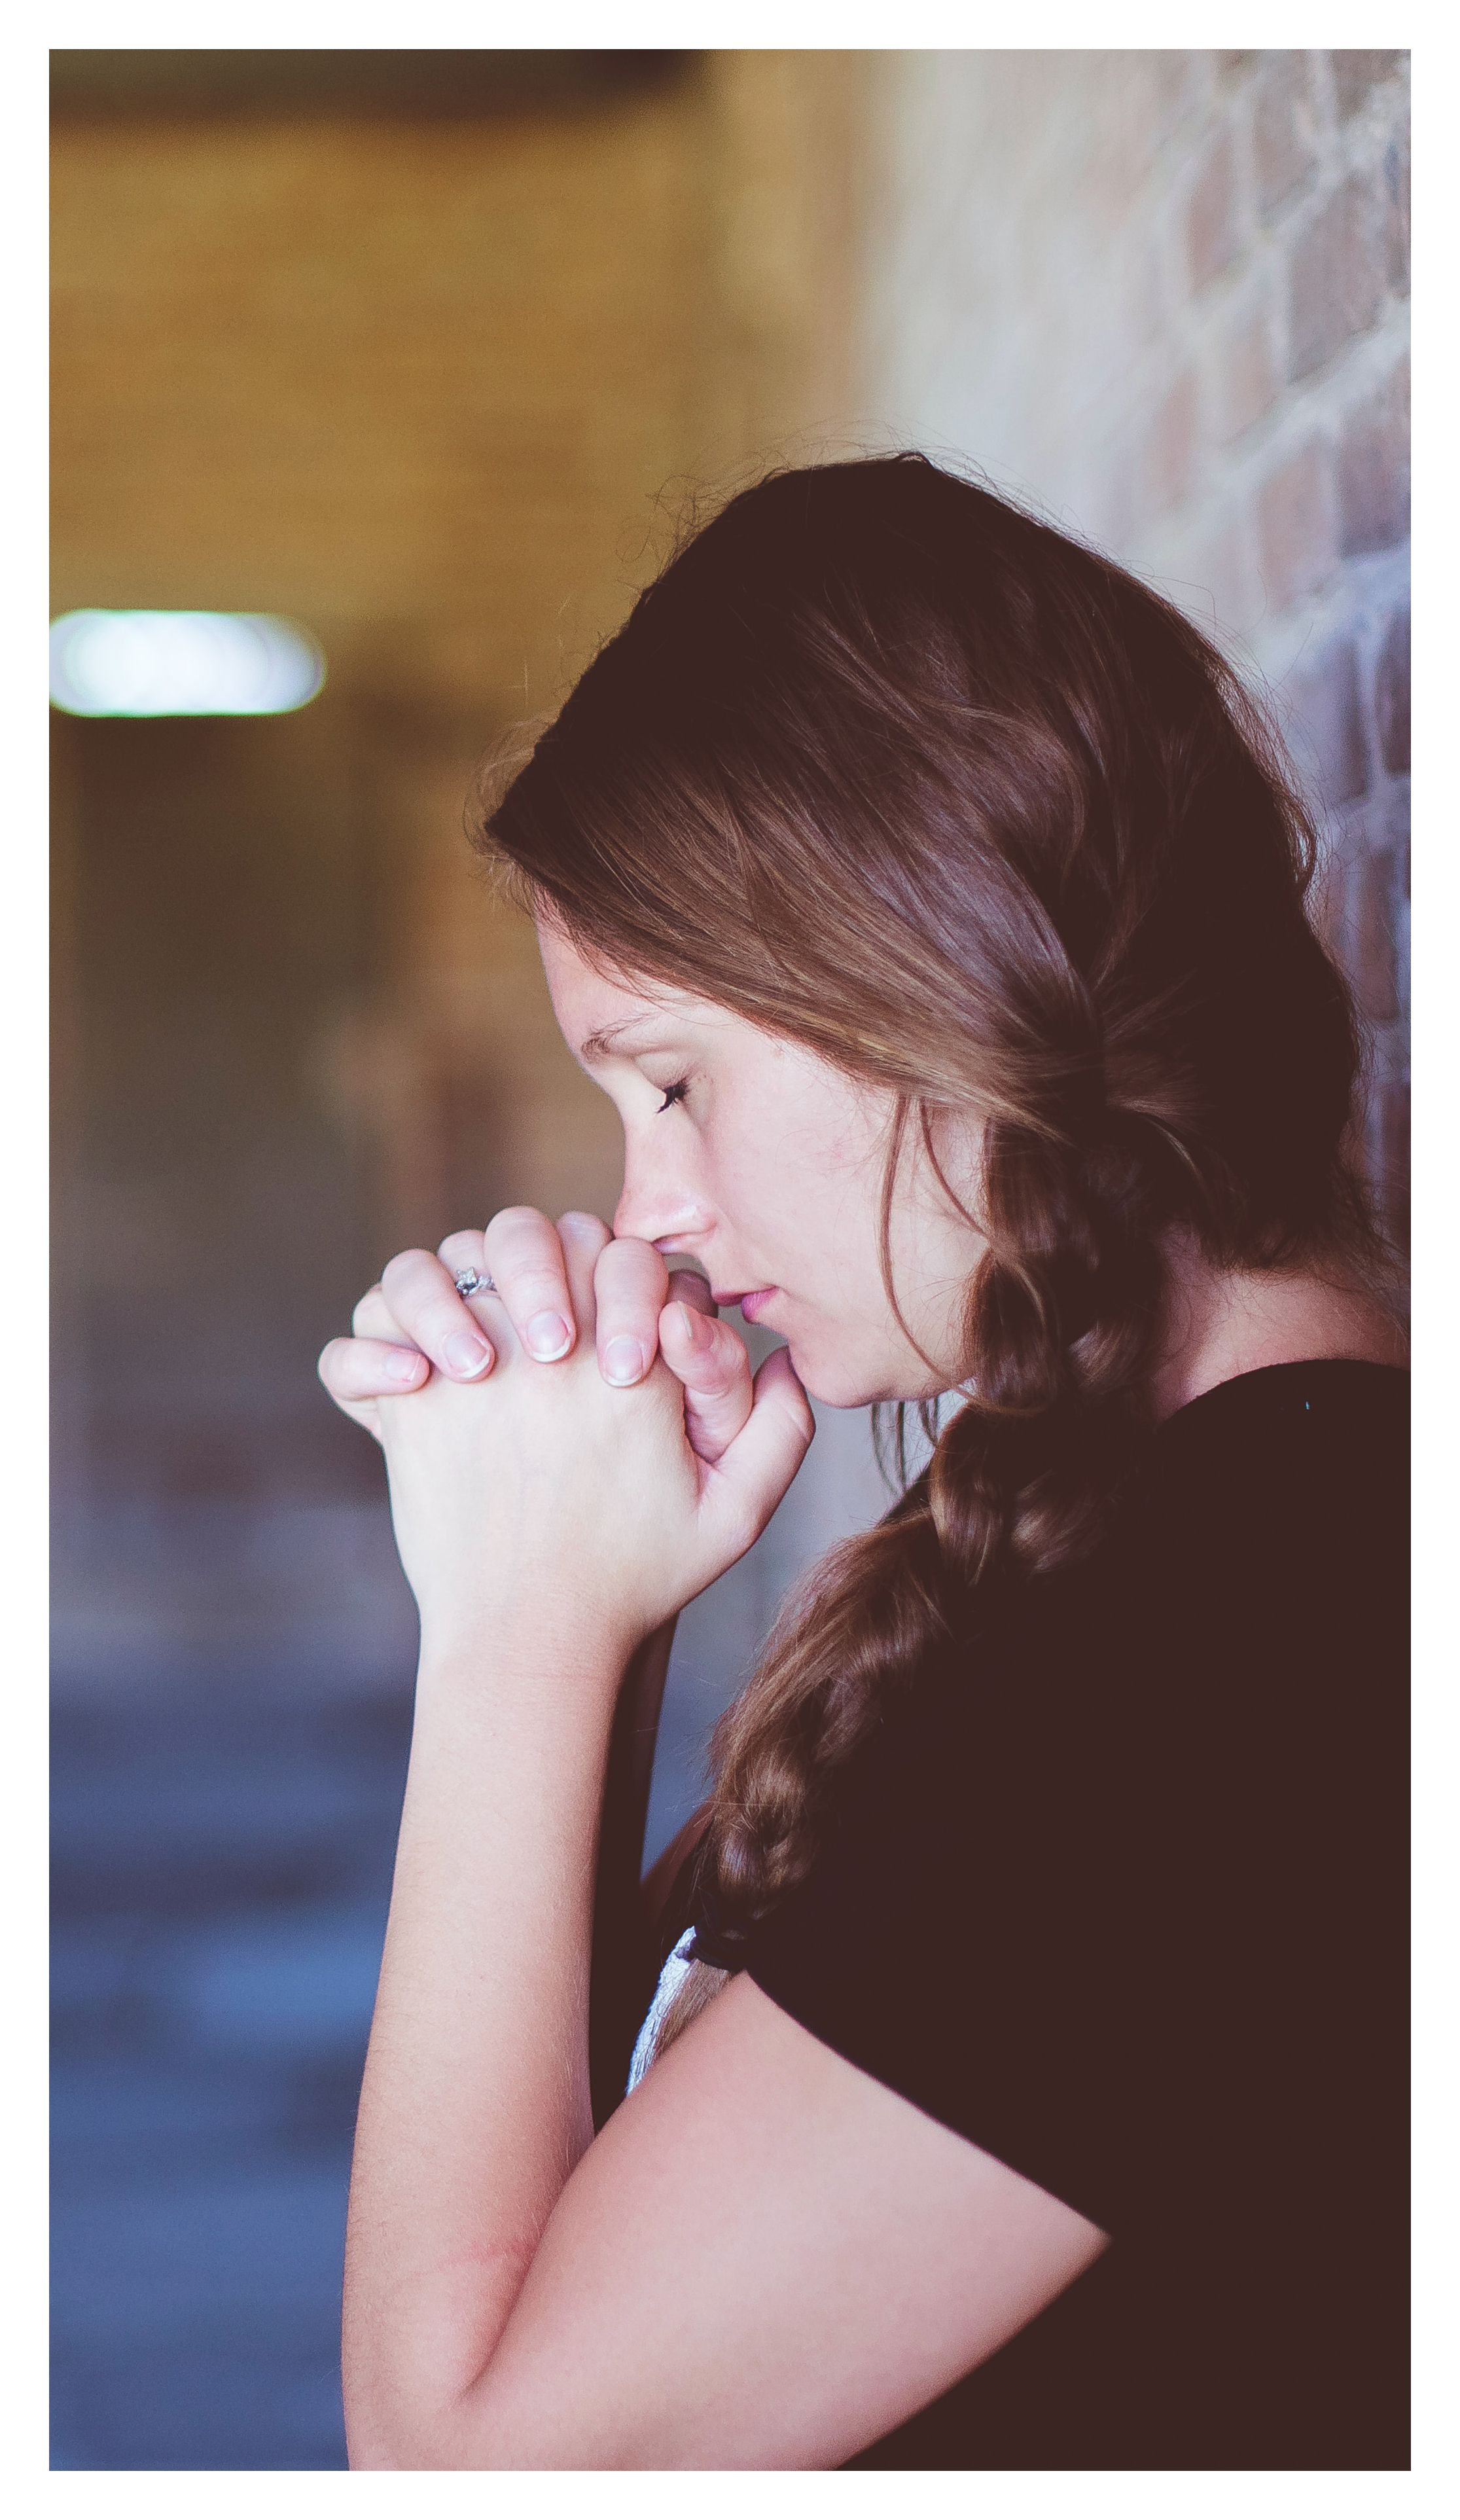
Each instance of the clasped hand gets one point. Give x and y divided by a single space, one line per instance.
585 1443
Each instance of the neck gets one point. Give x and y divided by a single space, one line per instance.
1220 1323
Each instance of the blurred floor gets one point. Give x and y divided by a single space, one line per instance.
221 1866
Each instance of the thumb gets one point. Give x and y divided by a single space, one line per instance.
742 1489
711 1363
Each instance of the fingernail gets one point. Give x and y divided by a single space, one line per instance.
466 1354
548 1336
696 1326
623 1360
402 1366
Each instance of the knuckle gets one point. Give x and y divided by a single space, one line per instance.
417 1304
441 1321
580 1222
523 1253
630 1253
727 1355
636 1282
524 1290
405 1265
464 1245
510 1222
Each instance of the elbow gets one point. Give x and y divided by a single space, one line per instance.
470 2433
418 2365
397 2429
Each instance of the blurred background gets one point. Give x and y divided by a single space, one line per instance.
431 354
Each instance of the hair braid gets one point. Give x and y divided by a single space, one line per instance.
1061 1316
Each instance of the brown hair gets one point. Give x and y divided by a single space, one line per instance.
891 767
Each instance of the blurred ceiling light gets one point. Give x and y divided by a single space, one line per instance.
181 664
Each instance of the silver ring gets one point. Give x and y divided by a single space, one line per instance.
469 1281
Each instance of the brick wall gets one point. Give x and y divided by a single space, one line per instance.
1166 294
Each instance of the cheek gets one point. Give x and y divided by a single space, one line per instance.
729 1165
810 1204
738 1187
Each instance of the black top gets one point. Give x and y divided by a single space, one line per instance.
1119 1891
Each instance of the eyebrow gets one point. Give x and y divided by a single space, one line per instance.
610 1043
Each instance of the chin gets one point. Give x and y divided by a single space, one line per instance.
858 1382
840 1383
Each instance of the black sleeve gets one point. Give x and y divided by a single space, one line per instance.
958 1936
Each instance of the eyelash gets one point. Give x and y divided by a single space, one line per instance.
675 1093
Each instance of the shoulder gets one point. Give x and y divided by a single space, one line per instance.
1275 1508
1341 1424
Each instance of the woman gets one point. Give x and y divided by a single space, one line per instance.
931 905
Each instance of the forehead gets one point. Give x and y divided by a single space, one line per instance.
589 1002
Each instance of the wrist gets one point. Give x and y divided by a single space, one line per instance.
512 1643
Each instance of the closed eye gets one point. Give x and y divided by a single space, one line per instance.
675 1093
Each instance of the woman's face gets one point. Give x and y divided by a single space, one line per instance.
766 1163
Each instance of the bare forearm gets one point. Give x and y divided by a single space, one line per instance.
475 2104
625 1958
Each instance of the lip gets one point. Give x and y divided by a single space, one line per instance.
752 1303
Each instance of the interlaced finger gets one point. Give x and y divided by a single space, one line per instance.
583 1238
525 1256
419 1292
358 1372
464 1254
710 1361
630 1286
745 1487
373 1317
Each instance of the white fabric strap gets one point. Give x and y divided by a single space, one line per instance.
672 1977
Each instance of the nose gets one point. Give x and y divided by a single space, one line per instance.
659 1199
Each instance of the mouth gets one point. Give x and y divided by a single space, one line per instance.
751 1302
